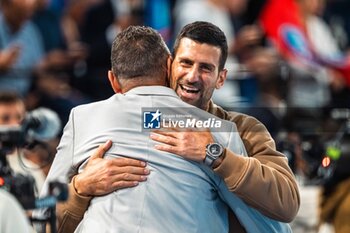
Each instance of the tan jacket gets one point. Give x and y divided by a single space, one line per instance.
263 179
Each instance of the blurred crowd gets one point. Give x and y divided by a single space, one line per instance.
289 62
55 53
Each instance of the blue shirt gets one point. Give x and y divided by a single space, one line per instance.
28 38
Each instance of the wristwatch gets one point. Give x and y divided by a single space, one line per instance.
213 151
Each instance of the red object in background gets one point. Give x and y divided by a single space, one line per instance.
2 181
326 161
345 71
281 21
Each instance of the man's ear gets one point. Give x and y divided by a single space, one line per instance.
168 63
114 82
222 78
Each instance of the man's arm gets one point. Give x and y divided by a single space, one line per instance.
70 213
99 177
8 57
263 180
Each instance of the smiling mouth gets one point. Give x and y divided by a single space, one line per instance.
188 89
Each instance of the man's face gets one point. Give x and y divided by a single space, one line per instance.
195 72
20 11
12 114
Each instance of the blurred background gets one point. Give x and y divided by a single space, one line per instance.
288 65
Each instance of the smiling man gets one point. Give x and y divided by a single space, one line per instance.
197 74
198 69
263 179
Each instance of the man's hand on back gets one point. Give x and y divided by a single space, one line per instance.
103 176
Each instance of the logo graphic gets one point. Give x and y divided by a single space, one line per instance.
151 120
170 118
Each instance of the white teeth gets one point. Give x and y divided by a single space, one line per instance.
187 88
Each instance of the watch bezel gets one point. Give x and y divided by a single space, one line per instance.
209 156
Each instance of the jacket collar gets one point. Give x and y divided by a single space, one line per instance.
152 90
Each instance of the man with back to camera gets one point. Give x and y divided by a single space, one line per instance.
265 165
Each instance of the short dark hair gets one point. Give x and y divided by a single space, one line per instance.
204 32
5 2
139 51
9 97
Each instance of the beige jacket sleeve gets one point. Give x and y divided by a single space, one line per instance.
263 179
71 212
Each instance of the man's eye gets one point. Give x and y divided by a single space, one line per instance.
186 62
206 68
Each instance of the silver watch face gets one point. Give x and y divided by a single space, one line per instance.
215 149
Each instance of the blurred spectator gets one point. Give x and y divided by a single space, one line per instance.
48 23
337 16
324 45
53 90
317 30
21 47
99 26
214 11
52 84
12 113
73 16
217 12
66 55
66 52
265 84
93 32
285 25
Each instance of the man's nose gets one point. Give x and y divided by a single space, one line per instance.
193 75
